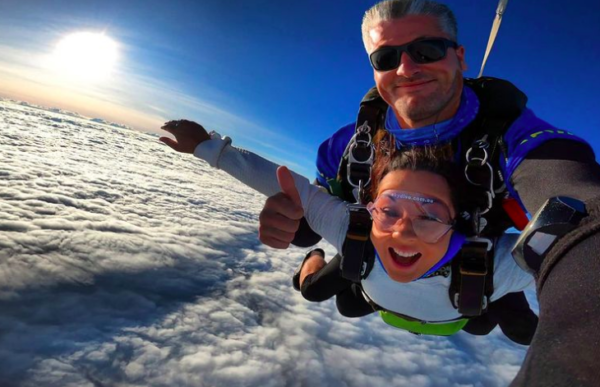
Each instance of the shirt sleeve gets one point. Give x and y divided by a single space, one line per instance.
525 134
327 215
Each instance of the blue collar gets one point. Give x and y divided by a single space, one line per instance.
457 240
439 133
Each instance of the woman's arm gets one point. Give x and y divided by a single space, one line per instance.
326 214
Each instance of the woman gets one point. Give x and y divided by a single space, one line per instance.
415 237
414 212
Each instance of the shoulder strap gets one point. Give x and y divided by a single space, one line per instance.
357 160
354 173
482 144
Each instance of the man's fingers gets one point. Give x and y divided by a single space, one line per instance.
169 141
287 185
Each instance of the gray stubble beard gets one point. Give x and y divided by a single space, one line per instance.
429 108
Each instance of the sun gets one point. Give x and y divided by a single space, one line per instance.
85 56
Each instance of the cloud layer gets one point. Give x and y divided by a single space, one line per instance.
123 263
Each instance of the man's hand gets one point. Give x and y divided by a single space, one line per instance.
280 217
187 134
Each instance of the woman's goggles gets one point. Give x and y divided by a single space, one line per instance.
420 51
430 218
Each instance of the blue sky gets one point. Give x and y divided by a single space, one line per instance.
280 76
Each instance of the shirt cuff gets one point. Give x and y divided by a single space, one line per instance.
210 150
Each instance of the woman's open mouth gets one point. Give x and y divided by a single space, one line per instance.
404 258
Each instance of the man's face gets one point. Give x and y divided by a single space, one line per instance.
420 94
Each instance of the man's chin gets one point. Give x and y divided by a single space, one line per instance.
416 110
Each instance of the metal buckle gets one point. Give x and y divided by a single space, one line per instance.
482 164
475 265
487 241
490 198
357 143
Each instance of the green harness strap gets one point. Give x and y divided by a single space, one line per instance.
417 327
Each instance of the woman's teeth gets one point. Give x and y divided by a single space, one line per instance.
406 253
404 257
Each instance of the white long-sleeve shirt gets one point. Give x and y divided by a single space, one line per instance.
426 299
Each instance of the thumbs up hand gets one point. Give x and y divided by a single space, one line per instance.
281 215
288 186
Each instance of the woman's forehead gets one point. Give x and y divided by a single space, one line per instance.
427 184
415 201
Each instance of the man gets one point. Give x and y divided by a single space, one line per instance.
418 72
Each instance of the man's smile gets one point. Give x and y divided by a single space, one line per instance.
416 85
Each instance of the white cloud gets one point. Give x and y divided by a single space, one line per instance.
124 263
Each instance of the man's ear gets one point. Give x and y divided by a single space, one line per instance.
460 54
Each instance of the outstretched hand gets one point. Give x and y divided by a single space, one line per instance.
188 135
281 215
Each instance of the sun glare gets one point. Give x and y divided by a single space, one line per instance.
86 56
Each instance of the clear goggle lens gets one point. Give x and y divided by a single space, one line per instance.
430 218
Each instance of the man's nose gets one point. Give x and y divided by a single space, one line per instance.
407 67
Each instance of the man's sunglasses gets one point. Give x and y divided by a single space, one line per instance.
421 51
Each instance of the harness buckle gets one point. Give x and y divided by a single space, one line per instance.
479 145
361 154
473 261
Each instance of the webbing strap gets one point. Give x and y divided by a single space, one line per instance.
495 27
358 254
474 266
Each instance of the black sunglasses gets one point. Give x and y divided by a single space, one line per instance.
421 51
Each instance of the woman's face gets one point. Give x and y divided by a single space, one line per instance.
404 255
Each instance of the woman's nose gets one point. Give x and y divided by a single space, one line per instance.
403 229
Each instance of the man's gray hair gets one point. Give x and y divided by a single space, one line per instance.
396 9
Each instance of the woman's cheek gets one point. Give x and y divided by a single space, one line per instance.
440 248
378 241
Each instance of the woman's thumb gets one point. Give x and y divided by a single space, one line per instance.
287 185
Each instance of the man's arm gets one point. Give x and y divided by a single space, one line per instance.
565 347
557 168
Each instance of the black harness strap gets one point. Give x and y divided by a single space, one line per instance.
358 254
472 282
351 172
482 143
501 103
